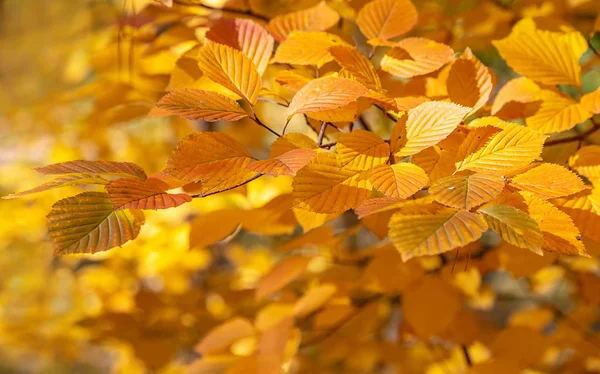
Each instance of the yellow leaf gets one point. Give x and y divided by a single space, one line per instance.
516 99
88 223
123 169
198 104
412 57
286 164
230 68
400 180
467 191
430 306
514 226
429 233
355 63
584 210
559 232
386 19
591 101
513 147
324 94
219 339
322 186
215 226
549 181
293 79
556 113
290 142
314 299
429 123
544 56
318 18
244 35
128 193
587 161
216 160
361 150
62 181
284 272
307 48
470 83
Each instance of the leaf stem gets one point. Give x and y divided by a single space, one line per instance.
259 122
322 133
230 188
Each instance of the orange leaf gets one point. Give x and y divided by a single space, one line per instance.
587 161
355 63
211 227
281 275
149 194
198 104
220 338
286 164
318 18
386 19
322 186
314 299
293 79
544 56
429 123
557 113
88 223
244 35
361 150
231 69
412 57
584 210
62 181
324 94
514 226
307 48
516 99
549 181
466 192
400 180
470 83
591 101
429 230
215 159
289 142
94 167
437 163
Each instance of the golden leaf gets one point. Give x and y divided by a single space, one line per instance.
361 150
62 181
244 35
322 186
412 57
289 142
400 180
511 148
544 56
584 210
286 164
424 232
198 104
307 48
587 161
386 19
101 167
293 80
470 83
314 299
88 223
221 337
429 123
548 181
559 232
516 99
324 94
437 163
284 272
318 18
514 226
230 68
466 191
355 63
591 101
149 194
215 159
556 113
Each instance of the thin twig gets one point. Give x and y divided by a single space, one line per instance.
465 350
372 53
259 122
322 133
328 145
230 188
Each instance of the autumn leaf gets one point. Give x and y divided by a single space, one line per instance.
514 226
201 105
386 19
101 167
290 142
224 335
285 164
556 113
281 274
246 36
88 223
466 191
591 101
584 210
429 123
361 150
470 83
357 65
148 194
324 94
318 18
400 180
322 186
432 232
512 147
306 48
215 159
62 181
314 299
544 56
548 181
232 69
412 57
517 98
587 161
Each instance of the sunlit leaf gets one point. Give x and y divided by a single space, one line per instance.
514 226
224 335
556 113
62 181
400 180
591 101
412 57
307 48
361 150
281 274
548 181
286 164
201 105
386 19
470 83
318 18
149 194
95 167
357 64
466 191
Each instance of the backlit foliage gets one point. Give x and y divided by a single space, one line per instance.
308 186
